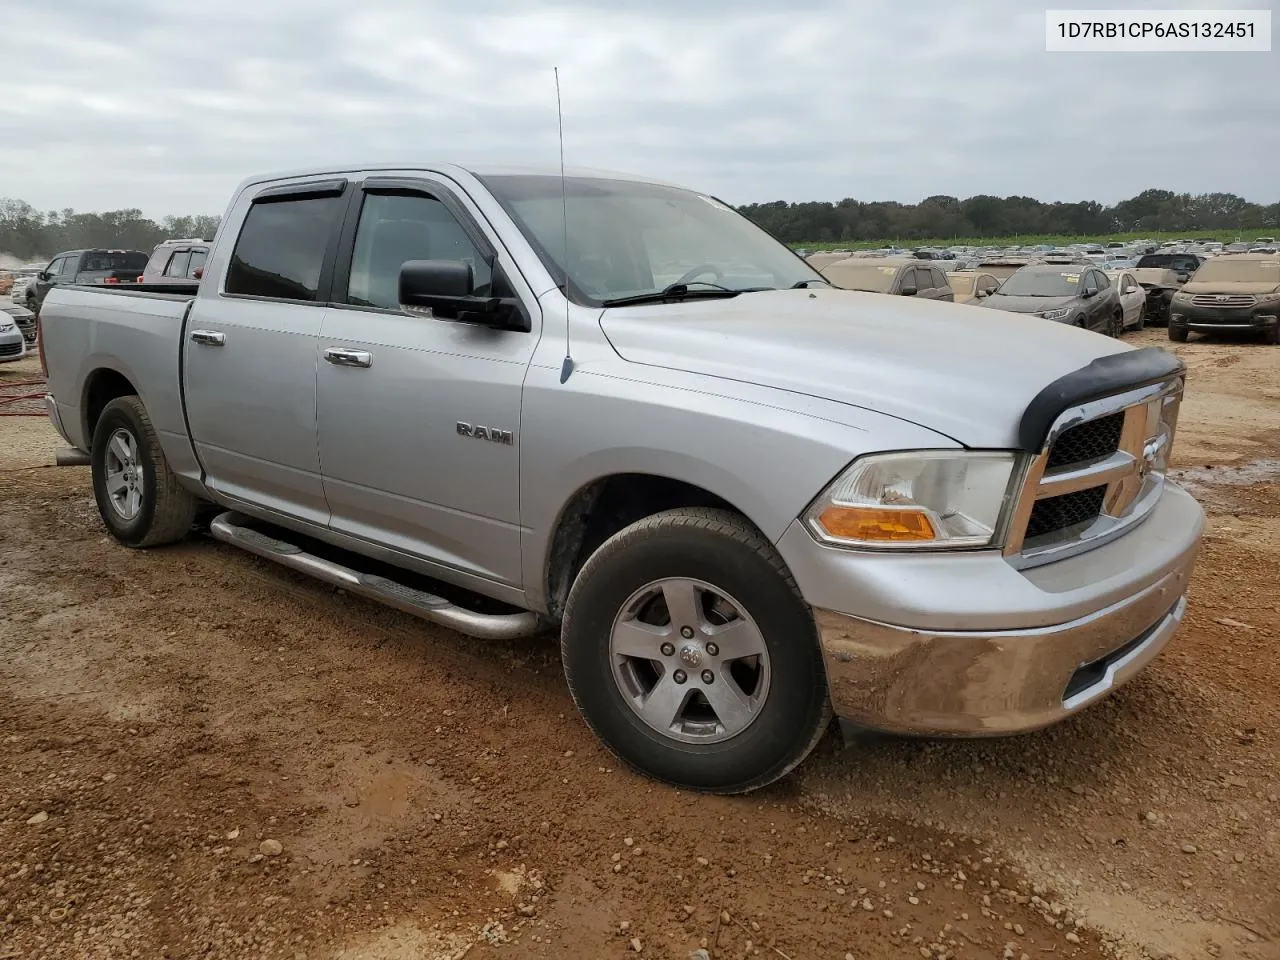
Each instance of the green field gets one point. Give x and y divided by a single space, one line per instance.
1028 240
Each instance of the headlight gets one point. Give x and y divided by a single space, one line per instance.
1269 297
930 499
1181 297
1061 314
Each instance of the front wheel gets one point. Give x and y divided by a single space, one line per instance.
139 498
1116 327
1177 334
690 652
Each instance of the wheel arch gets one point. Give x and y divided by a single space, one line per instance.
601 507
101 386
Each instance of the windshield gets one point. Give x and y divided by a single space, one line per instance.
1247 271
862 275
1181 262
629 238
1042 283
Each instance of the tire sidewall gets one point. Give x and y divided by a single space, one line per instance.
123 412
784 726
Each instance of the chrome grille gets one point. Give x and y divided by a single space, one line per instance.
10 349
1223 300
1101 470
1088 441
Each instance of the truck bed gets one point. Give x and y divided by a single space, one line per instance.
91 332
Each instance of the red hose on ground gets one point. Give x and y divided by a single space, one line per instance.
39 382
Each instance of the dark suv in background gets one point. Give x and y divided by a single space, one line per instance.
1079 295
84 266
1162 275
176 262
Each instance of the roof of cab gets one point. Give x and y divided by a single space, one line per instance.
478 170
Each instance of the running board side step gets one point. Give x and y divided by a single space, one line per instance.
228 527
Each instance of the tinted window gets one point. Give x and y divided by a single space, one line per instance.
178 264
120 260
939 280
395 228
1101 279
1181 262
280 250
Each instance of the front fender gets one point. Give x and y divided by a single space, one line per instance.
761 456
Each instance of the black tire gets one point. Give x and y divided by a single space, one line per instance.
1117 324
1272 336
166 509
721 549
1142 320
31 304
1178 334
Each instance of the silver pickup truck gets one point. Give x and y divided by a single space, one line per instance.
508 402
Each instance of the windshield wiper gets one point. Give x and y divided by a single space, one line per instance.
676 291
804 284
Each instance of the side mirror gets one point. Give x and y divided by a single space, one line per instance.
983 294
447 289
908 291
43 275
1089 292
1184 277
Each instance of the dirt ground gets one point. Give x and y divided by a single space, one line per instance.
203 755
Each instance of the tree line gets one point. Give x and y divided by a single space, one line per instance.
30 234
942 217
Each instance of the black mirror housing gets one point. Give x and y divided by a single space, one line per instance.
447 289
909 291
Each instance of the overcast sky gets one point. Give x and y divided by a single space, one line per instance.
166 106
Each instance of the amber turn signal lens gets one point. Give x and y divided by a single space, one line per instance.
876 524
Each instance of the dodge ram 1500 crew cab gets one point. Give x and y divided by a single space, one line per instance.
747 500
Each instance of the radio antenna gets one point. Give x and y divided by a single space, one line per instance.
566 367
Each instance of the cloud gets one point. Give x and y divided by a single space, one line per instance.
166 107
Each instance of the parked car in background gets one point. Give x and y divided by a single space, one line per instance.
1078 296
1003 267
84 266
893 275
13 344
968 286
1234 292
23 276
1162 275
176 262
22 317
6 283
1133 299
920 525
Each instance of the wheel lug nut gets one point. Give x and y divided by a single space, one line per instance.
708 676
679 676
712 649
686 632
668 650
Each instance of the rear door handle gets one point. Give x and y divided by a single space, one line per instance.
210 338
343 357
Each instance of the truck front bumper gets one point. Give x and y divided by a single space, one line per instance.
967 645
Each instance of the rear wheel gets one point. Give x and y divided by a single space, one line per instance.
691 654
139 498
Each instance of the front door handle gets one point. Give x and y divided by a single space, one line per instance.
343 357
210 338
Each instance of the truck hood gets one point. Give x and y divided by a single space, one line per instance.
1236 287
965 372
